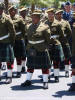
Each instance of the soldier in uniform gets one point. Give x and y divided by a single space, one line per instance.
38 36
23 13
65 44
55 49
67 13
19 46
7 37
72 87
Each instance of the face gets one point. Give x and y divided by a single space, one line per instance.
59 16
35 19
1 11
23 14
12 12
67 8
51 16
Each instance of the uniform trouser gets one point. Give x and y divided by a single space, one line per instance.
45 73
9 67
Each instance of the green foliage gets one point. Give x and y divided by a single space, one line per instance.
43 3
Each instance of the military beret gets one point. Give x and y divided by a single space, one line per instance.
1 5
68 3
59 11
12 7
23 9
50 10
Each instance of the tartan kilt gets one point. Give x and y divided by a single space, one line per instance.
73 62
6 53
19 49
67 51
56 53
40 61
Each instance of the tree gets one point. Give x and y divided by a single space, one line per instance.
43 3
40 3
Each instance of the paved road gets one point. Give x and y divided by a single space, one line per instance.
56 91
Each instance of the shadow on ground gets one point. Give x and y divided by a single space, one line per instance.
60 94
19 88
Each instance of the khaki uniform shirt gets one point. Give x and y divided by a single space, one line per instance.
7 30
38 36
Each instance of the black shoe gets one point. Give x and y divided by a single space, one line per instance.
23 70
26 83
72 88
18 75
9 80
67 74
45 85
56 79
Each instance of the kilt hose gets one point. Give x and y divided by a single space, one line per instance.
38 60
19 49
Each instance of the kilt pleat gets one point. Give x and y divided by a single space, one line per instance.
40 61
67 51
56 53
19 49
6 53
73 62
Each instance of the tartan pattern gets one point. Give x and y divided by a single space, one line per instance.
6 53
73 61
41 60
67 51
56 53
19 49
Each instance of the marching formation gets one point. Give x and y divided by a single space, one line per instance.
41 39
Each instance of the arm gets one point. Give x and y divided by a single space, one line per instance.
11 30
